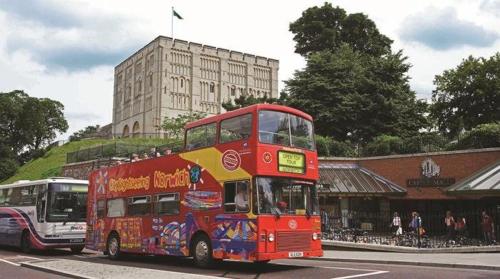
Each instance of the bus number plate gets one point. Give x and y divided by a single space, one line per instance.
295 254
79 240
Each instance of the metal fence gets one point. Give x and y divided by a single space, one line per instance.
116 150
433 233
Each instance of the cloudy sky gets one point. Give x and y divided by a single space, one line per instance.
66 50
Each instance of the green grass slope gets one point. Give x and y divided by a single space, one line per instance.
51 163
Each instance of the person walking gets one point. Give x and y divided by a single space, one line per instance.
450 226
324 220
487 226
396 224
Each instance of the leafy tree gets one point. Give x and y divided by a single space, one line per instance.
384 145
353 85
27 123
357 97
482 136
247 100
328 28
468 95
174 126
88 131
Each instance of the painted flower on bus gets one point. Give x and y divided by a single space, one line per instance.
101 181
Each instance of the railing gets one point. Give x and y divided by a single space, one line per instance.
433 233
117 150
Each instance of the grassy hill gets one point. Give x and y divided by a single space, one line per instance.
51 163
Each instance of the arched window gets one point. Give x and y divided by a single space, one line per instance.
233 90
125 131
212 87
182 82
136 129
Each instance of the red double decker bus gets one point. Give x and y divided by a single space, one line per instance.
242 189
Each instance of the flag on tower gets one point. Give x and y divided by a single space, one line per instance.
174 13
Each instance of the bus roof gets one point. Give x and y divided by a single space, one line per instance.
68 180
248 110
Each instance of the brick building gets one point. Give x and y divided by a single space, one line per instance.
464 182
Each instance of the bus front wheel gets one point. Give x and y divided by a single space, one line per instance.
26 242
202 251
113 246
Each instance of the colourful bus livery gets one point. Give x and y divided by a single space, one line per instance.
44 214
242 189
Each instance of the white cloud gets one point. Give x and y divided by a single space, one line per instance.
66 50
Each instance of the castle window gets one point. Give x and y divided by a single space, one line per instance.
212 87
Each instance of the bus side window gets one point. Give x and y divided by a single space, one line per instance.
167 204
236 128
236 197
138 206
101 209
116 208
3 196
201 136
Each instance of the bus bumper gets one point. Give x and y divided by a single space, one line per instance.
288 255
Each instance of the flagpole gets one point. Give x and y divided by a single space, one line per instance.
172 26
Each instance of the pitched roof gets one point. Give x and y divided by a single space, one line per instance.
484 181
351 179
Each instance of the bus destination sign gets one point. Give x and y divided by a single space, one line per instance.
291 162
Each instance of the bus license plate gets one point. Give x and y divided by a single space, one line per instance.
79 240
295 254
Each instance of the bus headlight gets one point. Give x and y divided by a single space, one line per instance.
270 237
315 236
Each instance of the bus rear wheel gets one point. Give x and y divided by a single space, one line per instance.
113 247
202 252
77 249
26 242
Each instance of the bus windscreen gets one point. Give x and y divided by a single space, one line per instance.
66 202
286 129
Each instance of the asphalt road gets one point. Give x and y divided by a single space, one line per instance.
316 269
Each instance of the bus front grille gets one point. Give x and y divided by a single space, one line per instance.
294 241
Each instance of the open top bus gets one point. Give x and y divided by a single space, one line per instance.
244 188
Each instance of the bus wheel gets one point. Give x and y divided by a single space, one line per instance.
26 242
113 247
202 252
77 249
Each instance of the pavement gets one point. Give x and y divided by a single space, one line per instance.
60 263
87 270
486 261
332 244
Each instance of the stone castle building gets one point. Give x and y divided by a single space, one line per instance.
170 77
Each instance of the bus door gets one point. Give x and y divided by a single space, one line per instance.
41 207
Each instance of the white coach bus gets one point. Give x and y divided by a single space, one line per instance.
44 214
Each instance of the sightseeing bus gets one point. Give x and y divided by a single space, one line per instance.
243 188
44 214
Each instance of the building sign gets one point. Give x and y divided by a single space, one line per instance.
430 176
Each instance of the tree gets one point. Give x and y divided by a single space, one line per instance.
174 126
356 97
482 136
27 123
328 28
86 132
247 100
468 95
